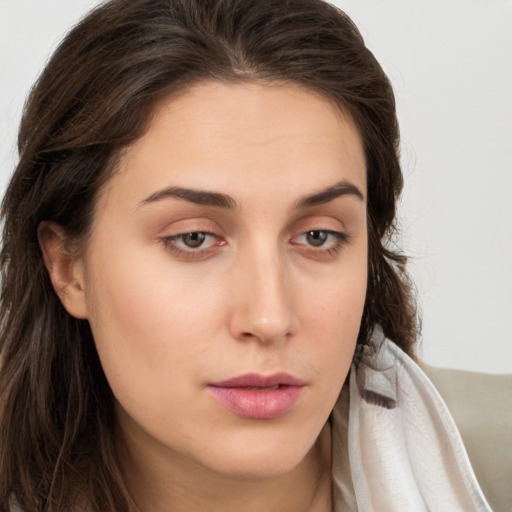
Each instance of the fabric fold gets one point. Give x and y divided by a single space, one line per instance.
405 452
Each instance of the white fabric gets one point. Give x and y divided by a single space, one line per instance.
400 449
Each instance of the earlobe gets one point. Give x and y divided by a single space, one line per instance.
65 270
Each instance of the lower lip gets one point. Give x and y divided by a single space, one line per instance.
259 404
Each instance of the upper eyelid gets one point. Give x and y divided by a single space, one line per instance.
312 221
321 221
227 227
185 226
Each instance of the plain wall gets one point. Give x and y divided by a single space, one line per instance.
450 62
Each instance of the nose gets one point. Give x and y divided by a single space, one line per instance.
262 302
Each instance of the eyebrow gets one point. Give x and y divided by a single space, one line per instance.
207 198
342 188
202 197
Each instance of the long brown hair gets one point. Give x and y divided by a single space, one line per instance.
96 96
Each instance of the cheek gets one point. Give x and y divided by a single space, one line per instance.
331 317
130 313
336 324
153 323
336 300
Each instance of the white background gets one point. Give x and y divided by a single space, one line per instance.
451 64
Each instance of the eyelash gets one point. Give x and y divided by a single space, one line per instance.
170 242
341 239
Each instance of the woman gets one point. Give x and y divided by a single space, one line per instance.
195 253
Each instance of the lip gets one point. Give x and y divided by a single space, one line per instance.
258 396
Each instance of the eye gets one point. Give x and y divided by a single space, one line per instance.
320 242
320 238
192 243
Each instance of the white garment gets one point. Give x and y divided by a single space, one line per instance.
399 450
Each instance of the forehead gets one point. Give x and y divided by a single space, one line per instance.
221 135
226 106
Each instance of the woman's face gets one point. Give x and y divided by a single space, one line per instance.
225 276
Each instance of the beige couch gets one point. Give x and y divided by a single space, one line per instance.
481 405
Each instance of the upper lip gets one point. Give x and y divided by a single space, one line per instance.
257 380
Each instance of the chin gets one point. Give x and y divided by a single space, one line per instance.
261 459
263 467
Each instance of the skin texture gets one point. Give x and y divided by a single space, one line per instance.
258 295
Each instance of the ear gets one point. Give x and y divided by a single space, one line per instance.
65 269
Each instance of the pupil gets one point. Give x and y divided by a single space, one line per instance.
317 238
194 240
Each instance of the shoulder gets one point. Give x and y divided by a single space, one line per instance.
481 406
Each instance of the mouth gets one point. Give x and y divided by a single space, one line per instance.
258 396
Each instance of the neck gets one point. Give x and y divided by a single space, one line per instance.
162 484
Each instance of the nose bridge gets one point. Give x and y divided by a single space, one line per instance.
264 305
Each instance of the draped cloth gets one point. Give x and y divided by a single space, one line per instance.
395 445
